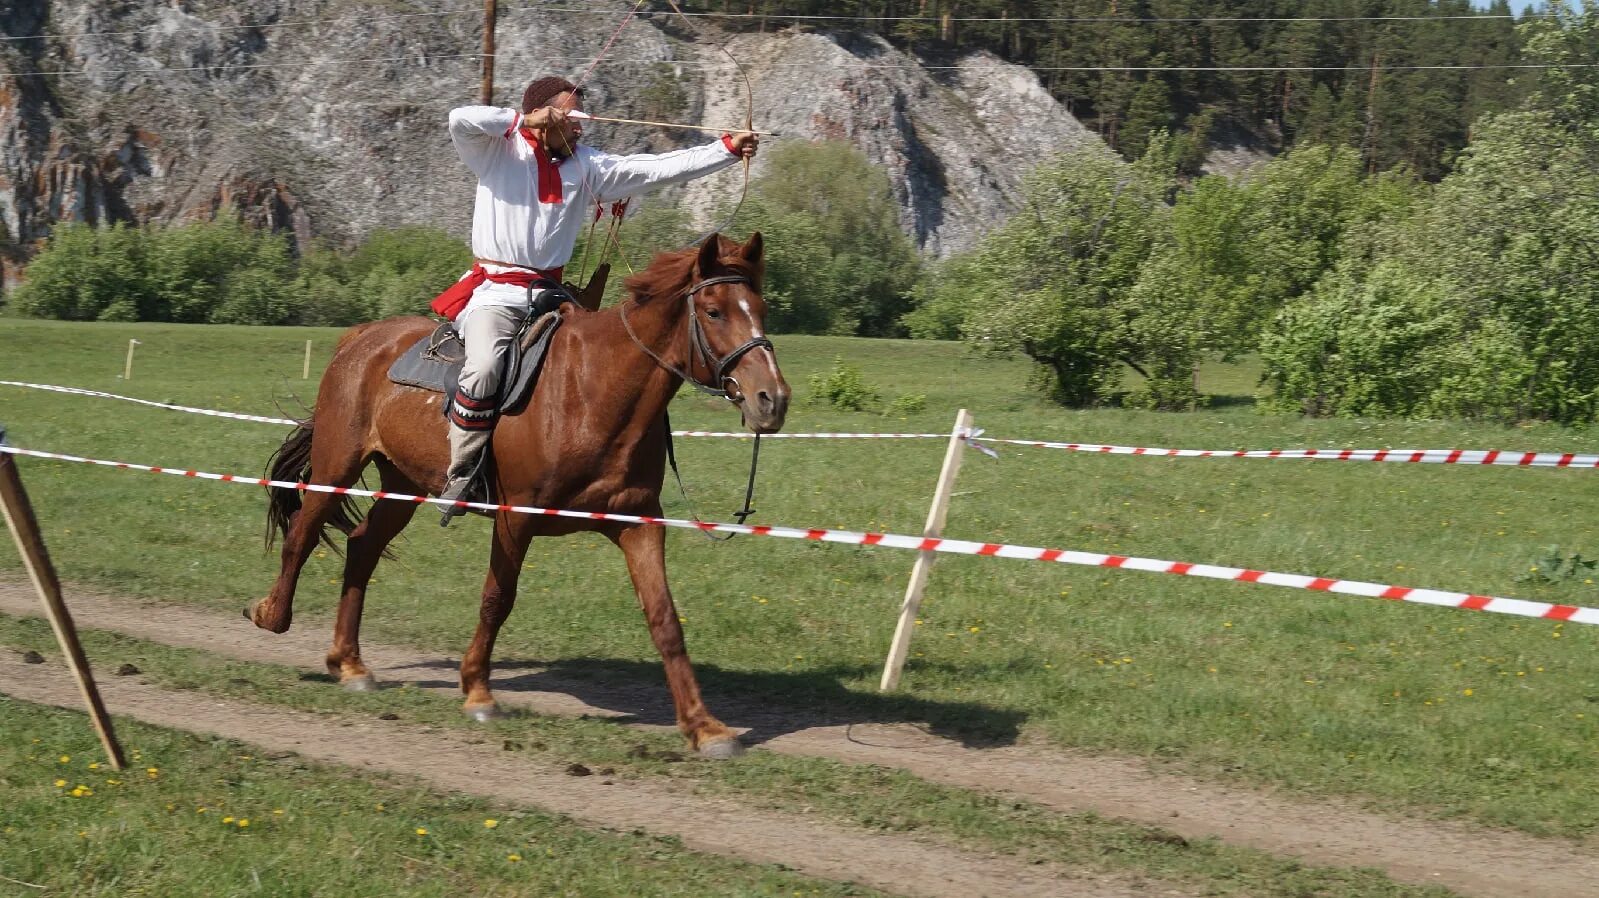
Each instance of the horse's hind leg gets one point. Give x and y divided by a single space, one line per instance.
645 548
512 533
365 548
331 467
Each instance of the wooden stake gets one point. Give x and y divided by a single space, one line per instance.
306 375
127 367
30 543
924 560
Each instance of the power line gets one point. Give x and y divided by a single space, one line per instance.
430 58
598 11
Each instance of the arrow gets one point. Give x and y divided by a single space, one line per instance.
635 121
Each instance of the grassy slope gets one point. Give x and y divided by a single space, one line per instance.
1481 715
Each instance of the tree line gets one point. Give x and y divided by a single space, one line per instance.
1338 80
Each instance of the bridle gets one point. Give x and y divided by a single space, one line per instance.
718 366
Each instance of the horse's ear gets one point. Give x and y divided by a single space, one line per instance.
753 253
710 251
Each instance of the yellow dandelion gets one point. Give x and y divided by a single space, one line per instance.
1466 692
975 629
490 824
421 830
94 765
227 819
244 822
514 858
61 784
66 759
277 812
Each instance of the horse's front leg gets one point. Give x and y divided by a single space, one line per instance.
645 548
512 532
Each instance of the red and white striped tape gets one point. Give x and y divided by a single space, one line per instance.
1470 601
1494 457
177 408
1422 456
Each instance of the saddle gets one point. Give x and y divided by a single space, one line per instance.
434 362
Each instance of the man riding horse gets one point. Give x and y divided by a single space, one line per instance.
536 187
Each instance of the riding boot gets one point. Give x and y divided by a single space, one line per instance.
466 450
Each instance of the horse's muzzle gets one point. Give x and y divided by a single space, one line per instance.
764 405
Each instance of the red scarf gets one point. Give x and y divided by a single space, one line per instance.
549 170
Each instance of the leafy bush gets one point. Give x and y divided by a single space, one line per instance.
226 273
1056 282
843 387
838 260
1478 305
86 271
908 404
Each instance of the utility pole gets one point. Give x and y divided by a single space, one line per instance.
1369 143
489 7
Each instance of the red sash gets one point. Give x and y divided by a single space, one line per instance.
450 303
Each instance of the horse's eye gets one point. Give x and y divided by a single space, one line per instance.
712 313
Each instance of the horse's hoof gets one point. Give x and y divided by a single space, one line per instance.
253 615
722 749
362 683
484 713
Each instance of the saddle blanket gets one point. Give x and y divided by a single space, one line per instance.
434 362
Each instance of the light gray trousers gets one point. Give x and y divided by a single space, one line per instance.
487 334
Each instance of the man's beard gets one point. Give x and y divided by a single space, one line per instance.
561 148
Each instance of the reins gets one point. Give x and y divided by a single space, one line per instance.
719 367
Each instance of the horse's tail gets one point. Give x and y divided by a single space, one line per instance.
292 463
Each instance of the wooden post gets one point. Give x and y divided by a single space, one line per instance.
127 367
306 374
487 96
924 560
30 543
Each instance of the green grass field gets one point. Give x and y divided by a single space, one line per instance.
1487 717
869 797
194 816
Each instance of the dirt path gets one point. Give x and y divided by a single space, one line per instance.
893 863
1470 860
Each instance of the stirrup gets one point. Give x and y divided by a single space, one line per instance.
454 492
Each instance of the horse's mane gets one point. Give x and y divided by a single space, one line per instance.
670 272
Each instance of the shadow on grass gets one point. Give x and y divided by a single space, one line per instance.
770 704
1235 400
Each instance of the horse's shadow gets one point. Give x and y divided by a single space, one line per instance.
768 703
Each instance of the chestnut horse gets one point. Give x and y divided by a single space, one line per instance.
593 438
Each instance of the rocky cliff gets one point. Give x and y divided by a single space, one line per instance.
327 118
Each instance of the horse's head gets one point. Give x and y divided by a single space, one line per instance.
727 327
